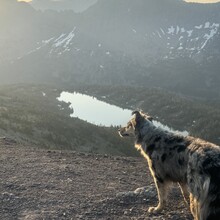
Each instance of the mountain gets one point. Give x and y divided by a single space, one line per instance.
22 28
170 44
153 29
14 24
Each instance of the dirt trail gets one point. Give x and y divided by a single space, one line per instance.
43 184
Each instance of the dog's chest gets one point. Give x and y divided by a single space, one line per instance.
168 166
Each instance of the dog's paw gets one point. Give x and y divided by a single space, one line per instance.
154 209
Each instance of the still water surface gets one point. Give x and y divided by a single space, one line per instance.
97 112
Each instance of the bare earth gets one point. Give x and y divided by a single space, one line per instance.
42 184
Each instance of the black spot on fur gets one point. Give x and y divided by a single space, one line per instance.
207 162
201 172
163 157
175 147
190 180
157 139
175 139
214 215
181 148
213 172
159 179
181 162
169 140
138 137
153 167
208 150
215 204
171 153
150 149
179 139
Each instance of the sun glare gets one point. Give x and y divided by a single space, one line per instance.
203 1
24 0
200 1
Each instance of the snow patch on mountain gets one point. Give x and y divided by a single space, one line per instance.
64 40
173 41
182 41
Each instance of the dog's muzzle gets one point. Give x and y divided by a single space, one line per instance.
120 132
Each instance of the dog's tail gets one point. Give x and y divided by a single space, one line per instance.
205 187
202 206
213 199
210 201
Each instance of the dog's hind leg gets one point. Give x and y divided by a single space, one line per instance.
185 193
194 207
162 191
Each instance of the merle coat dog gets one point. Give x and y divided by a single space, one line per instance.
191 162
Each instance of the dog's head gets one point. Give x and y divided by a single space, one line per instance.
138 119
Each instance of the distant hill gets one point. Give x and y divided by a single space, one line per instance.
32 114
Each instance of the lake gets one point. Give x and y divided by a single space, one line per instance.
94 111
100 113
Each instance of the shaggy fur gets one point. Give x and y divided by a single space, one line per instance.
189 161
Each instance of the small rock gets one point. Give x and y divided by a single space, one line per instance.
125 212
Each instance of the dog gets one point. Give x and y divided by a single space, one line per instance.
191 162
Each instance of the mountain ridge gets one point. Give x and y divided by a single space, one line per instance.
124 44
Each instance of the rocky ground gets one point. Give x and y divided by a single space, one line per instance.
43 184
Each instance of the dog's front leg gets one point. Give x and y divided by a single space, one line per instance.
162 191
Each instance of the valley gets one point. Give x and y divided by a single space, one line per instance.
32 114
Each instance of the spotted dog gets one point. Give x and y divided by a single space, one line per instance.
191 162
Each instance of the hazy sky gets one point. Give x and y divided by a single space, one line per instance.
202 1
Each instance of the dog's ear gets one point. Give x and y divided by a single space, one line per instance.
148 117
136 112
138 116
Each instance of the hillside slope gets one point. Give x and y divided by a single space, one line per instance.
42 184
32 113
